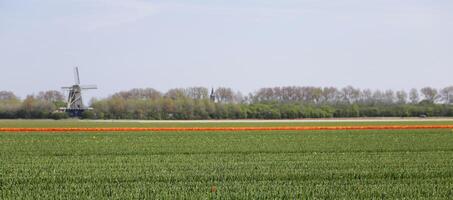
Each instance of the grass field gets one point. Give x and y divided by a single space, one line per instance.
365 164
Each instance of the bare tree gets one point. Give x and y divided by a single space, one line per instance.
238 97
9 102
401 97
263 94
139 93
366 97
329 95
378 97
176 93
350 94
224 95
298 93
32 104
7 95
430 94
50 96
197 93
447 94
414 96
313 94
389 97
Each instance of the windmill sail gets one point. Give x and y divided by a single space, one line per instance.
88 87
76 76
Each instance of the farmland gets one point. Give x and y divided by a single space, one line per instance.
357 164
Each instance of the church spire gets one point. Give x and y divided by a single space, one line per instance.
212 96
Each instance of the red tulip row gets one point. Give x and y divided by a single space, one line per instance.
285 128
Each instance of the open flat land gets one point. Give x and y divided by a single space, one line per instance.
346 164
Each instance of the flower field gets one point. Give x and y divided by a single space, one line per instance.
282 128
226 164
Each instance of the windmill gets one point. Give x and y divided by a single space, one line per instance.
74 103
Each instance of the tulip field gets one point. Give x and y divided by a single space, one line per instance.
201 161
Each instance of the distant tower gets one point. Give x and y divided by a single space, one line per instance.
212 96
74 105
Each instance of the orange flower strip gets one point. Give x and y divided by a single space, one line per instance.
285 128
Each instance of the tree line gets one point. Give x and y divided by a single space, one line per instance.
225 103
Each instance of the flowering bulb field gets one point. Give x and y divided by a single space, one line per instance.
274 164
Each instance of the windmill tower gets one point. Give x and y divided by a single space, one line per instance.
74 103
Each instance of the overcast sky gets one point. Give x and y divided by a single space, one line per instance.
243 44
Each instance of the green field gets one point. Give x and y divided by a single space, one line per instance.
403 164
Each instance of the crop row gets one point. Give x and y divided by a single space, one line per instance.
277 128
364 164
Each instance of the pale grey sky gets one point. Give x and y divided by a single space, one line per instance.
246 44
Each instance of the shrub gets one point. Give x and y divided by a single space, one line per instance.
88 114
59 115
